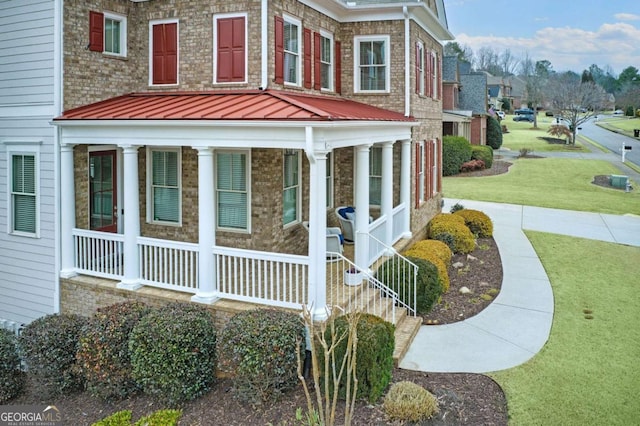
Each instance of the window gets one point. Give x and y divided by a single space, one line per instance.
292 51
435 93
323 61
163 55
375 176
24 190
435 167
420 78
229 41
420 173
108 33
372 69
232 195
291 187
329 180
164 201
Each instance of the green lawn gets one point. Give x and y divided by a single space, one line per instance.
548 182
587 373
624 125
522 134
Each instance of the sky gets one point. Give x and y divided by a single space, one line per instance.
571 34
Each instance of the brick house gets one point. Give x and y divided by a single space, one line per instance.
199 137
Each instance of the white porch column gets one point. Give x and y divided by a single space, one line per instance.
317 235
67 211
206 228
131 201
386 200
362 207
405 186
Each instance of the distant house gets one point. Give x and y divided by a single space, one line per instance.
498 88
455 121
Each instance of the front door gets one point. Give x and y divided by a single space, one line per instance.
103 206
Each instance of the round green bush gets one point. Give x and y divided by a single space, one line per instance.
484 153
49 345
478 222
398 277
494 133
456 150
173 352
374 354
103 356
454 225
407 401
11 377
260 348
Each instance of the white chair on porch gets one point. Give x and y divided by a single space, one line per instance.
347 217
334 240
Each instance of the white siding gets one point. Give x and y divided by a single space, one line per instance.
27 265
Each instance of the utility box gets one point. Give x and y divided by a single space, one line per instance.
618 181
636 133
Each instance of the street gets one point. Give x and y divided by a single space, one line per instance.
612 141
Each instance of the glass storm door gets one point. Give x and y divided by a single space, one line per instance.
103 208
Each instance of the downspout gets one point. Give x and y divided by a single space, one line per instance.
264 84
57 110
407 62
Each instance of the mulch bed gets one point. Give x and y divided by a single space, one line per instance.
464 399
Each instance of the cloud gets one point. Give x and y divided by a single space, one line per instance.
568 48
626 17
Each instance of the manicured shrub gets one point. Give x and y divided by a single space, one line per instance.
484 153
494 133
11 377
160 418
455 151
409 402
374 354
119 418
446 239
173 352
456 207
472 165
49 345
103 356
453 224
259 348
478 222
428 250
399 277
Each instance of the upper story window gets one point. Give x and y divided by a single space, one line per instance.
163 52
420 75
230 48
108 33
435 75
24 190
232 190
291 187
292 36
164 199
372 70
325 61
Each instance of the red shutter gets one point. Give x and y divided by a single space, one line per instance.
230 61
279 46
317 66
165 54
427 75
338 67
417 176
96 31
417 68
307 54
428 170
439 68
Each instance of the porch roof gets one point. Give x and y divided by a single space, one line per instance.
243 105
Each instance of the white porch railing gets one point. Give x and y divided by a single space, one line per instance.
262 277
399 225
98 253
168 264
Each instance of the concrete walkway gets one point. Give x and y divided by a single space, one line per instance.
516 325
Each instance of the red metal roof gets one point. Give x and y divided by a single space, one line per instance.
230 105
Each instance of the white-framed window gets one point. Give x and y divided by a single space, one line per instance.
291 187
292 50
372 64
164 184
420 77
375 176
326 61
421 164
233 173
230 48
115 34
163 52
23 188
329 180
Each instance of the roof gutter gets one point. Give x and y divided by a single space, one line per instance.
407 61
265 40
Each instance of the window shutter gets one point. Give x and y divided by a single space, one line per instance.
439 165
317 67
338 68
428 170
439 68
307 54
165 54
279 46
417 68
96 31
417 176
427 73
231 50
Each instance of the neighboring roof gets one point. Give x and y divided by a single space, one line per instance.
494 91
272 105
450 68
473 95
